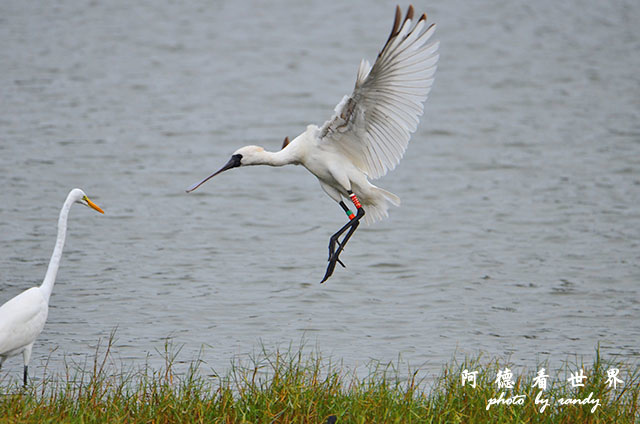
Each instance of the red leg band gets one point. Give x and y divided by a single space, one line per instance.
355 200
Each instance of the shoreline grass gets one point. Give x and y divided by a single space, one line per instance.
295 387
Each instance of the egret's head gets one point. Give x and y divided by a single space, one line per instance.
247 155
80 197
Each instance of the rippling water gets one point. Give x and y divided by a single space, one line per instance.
520 224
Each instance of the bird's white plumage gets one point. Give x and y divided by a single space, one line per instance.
21 320
370 129
23 317
368 132
373 125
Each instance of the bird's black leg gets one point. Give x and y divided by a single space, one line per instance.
335 258
346 210
26 367
352 225
334 239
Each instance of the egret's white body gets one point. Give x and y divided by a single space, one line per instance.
22 318
370 129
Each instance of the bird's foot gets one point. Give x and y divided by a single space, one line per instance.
332 265
329 272
332 246
332 252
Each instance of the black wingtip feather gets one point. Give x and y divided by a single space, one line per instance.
396 24
409 13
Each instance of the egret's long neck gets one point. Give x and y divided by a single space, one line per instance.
54 263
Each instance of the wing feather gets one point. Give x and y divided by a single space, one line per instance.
22 319
373 125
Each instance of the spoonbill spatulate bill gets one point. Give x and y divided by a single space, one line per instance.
368 132
22 318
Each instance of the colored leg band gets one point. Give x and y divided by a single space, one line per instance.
350 214
355 200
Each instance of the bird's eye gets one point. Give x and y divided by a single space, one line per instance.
236 160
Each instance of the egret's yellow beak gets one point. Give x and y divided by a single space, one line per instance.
92 205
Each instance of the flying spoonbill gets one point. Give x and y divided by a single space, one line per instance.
368 132
22 318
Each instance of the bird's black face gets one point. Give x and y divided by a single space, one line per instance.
237 157
234 162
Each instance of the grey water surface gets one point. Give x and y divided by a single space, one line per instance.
519 229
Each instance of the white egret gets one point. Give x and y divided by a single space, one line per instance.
368 133
22 318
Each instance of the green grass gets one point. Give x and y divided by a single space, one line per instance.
297 387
